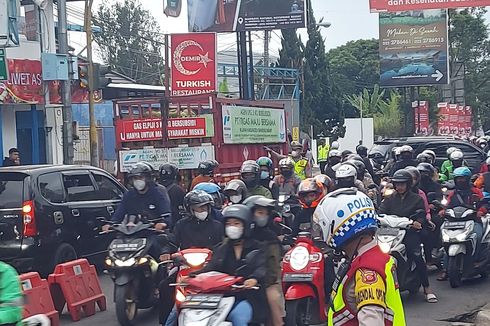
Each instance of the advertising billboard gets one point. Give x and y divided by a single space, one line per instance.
421 117
413 48
250 125
402 5
454 120
186 128
193 63
245 15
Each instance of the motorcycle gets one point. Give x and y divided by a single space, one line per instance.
390 237
459 241
303 281
134 272
289 207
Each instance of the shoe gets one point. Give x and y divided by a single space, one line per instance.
443 276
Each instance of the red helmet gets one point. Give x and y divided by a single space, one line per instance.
310 193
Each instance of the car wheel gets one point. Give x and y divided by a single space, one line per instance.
64 253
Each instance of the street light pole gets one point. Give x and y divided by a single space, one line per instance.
94 152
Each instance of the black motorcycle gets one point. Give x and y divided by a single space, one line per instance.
289 206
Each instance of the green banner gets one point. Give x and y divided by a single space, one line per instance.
253 125
3 65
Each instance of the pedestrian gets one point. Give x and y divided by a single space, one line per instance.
13 159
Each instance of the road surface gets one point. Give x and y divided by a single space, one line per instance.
452 302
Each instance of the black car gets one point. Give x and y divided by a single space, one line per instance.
473 155
53 213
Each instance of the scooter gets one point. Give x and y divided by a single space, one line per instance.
390 237
459 241
303 279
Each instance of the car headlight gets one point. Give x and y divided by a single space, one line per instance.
125 263
385 247
299 258
195 259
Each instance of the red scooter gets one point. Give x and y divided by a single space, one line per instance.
303 282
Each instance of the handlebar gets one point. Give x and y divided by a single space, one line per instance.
242 287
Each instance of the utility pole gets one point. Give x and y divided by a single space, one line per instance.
65 87
267 35
94 152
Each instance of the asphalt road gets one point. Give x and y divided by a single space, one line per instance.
452 302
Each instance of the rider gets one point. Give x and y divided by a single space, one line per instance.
456 160
334 158
250 175
328 184
432 155
310 193
365 291
206 172
169 177
427 183
424 158
406 203
370 187
236 191
302 168
346 177
263 211
362 151
406 159
483 180
229 257
267 176
11 297
287 181
447 163
218 198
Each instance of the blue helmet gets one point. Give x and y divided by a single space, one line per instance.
264 161
214 190
463 171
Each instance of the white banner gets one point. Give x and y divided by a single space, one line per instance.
189 157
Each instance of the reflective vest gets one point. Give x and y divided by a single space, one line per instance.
300 168
323 152
374 260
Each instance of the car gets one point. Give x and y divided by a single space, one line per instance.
51 214
473 155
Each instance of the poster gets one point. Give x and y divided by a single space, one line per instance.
401 5
413 48
455 120
248 125
443 124
421 117
193 63
186 128
138 130
245 15
155 156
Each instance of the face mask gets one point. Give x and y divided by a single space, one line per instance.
236 199
345 183
294 153
261 221
287 174
234 232
166 182
139 184
425 179
251 183
333 161
264 175
201 216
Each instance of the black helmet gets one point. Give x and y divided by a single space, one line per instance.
426 168
257 200
362 150
250 167
238 186
346 153
197 198
141 169
414 172
207 167
168 173
358 164
402 176
240 212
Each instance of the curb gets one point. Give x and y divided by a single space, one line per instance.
483 317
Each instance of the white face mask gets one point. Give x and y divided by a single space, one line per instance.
234 232
139 184
236 199
201 216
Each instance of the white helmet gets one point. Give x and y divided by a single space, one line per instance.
335 145
397 150
431 153
345 171
334 153
344 214
487 161
451 150
488 154
406 148
481 140
456 155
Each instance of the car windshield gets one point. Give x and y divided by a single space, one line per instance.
11 190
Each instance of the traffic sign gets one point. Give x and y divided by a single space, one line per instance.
295 134
3 65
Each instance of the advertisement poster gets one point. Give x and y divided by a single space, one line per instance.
421 117
246 125
139 130
468 125
402 5
453 119
155 156
443 124
186 128
245 15
413 48
189 157
193 62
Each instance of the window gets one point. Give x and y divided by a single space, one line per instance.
469 152
108 189
51 187
124 112
79 187
439 149
11 189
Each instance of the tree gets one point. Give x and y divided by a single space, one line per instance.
369 103
291 52
129 42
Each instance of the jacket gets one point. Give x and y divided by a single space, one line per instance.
272 186
260 190
483 182
11 298
323 152
199 179
190 232
431 188
176 195
8 162
470 198
402 164
403 205
287 186
272 248
302 168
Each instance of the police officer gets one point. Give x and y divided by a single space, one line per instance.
365 291
302 168
323 149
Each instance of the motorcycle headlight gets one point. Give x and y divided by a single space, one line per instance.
385 247
195 259
444 202
299 258
125 263
108 262
445 237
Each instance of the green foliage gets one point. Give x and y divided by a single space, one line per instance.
368 103
130 41
291 53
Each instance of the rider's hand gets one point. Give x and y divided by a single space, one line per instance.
250 283
160 226
106 227
268 149
165 257
417 225
432 226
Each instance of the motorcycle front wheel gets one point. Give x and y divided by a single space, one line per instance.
296 312
126 306
454 270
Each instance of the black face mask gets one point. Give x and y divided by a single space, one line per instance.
250 183
457 163
287 173
462 184
166 182
425 179
333 161
345 183
406 156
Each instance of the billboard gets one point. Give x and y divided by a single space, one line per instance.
193 63
244 15
455 120
403 5
251 125
421 117
413 48
186 128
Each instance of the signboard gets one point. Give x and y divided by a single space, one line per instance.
421 117
252 125
295 134
193 61
186 128
139 130
183 157
413 48
403 5
244 15
3 65
454 120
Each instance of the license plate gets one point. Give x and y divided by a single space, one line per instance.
387 231
298 277
202 301
454 225
134 245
